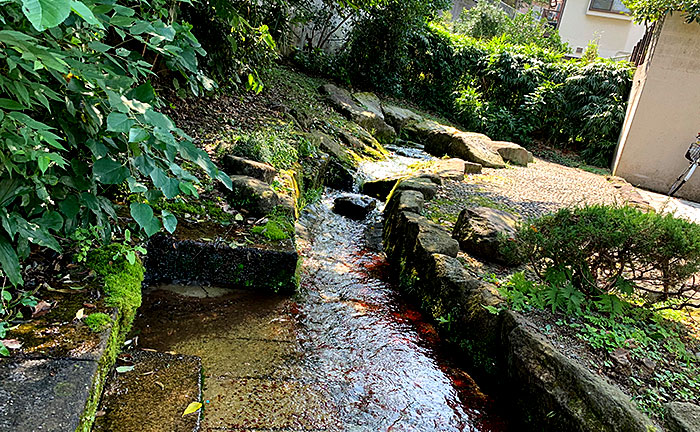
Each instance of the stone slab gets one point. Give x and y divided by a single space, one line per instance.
244 404
234 165
153 396
44 394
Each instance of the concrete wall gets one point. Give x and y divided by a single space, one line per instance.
618 34
664 113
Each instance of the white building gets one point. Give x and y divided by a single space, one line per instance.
580 21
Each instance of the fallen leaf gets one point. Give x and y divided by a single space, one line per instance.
12 344
89 305
191 408
80 314
124 369
41 308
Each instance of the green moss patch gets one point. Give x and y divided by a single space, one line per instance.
122 288
98 322
276 228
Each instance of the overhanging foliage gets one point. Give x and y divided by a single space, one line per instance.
79 118
653 10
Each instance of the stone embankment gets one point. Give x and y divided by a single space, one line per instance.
549 390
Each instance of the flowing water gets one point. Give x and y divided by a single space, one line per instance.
346 354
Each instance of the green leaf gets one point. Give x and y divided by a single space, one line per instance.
10 262
136 134
189 189
143 215
10 104
70 207
169 221
45 14
118 122
108 171
144 93
50 220
43 163
124 369
169 186
3 350
135 186
158 120
85 13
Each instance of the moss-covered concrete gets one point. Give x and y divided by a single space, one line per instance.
232 266
62 343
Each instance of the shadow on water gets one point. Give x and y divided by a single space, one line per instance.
347 354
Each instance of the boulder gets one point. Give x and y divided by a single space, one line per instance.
362 141
423 185
512 152
453 169
546 381
682 417
399 117
253 195
329 145
433 177
481 231
340 170
440 140
370 102
339 177
423 238
342 100
472 168
234 165
407 200
355 207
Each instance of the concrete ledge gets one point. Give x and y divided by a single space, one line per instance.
190 261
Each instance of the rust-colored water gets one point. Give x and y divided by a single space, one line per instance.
345 355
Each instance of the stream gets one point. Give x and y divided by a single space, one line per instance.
345 354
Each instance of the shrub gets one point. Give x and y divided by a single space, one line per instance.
484 21
608 249
277 146
239 37
515 86
380 42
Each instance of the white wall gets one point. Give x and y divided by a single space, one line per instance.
664 113
618 34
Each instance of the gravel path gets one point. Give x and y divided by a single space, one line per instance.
540 188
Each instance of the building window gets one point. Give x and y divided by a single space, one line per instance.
612 6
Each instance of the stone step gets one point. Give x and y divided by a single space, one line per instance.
152 396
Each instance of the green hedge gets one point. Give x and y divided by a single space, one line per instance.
615 249
520 93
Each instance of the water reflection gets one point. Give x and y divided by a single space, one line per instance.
377 352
